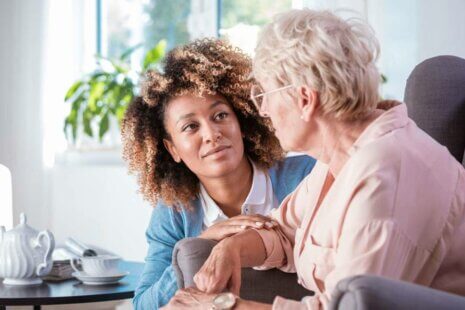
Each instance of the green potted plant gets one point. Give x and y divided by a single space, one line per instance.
98 100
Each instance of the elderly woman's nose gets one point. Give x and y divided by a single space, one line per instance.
263 109
263 112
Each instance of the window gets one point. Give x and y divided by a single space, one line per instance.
241 20
126 23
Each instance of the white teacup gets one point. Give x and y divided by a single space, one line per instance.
100 265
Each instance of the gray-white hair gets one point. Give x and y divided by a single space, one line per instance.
335 57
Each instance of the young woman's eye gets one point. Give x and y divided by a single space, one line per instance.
189 127
221 115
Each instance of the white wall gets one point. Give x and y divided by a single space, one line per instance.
98 205
415 30
21 53
441 28
409 32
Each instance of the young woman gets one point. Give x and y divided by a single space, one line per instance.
203 155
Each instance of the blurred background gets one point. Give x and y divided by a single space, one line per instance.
65 155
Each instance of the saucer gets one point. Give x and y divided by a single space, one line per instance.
99 280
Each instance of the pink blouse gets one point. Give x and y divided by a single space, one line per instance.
396 209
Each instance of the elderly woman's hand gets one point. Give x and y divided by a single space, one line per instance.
222 270
190 298
236 224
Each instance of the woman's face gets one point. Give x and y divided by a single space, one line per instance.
285 116
204 134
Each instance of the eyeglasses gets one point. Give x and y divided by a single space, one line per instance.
258 95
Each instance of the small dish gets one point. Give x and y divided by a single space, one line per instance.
99 280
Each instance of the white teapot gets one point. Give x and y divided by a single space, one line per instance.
25 254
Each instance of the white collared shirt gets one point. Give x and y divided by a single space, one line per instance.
260 199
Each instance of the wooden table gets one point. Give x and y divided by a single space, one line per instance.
71 291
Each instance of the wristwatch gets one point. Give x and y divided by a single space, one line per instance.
224 301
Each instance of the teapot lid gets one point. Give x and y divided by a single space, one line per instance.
22 227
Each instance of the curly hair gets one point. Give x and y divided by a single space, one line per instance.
208 66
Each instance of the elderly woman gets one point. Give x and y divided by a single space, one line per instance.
384 198
202 153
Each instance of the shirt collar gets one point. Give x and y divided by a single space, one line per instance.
211 211
394 117
257 193
256 196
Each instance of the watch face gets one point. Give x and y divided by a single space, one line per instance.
224 301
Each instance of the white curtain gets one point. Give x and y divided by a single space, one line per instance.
42 48
22 25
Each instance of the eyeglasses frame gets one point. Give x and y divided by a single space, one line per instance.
267 93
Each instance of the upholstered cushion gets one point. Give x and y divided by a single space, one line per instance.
435 97
189 255
372 292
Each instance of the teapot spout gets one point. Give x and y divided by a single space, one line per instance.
2 232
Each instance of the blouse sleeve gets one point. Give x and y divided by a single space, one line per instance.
279 242
371 242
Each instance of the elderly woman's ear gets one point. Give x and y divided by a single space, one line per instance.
308 102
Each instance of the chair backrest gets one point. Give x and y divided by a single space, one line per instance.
6 206
435 98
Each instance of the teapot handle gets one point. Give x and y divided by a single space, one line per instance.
45 267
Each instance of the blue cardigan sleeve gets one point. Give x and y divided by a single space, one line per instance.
287 174
158 281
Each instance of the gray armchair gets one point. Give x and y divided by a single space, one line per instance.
371 292
435 98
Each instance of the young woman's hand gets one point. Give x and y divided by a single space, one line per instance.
236 224
222 270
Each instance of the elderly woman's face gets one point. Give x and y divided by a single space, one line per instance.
284 115
205 134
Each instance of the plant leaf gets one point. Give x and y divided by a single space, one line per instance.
154 55
120 67
384 78
104 124
72 119
87 117
72 90
120 113
97 74
96 92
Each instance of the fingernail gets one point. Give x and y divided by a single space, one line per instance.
269 224
243 226
259 223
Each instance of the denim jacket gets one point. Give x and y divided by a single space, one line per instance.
167 226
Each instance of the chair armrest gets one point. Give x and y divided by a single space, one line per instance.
189 255
373 292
